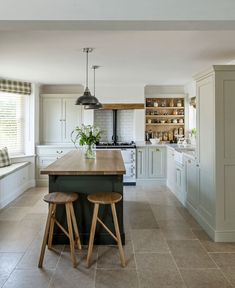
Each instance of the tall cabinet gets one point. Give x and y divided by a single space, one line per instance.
59 116
215 205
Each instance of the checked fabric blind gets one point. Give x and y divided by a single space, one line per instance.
17 87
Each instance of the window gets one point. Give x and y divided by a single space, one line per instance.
12 122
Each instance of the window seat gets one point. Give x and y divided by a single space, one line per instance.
4 171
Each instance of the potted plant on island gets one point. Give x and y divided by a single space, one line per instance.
87 136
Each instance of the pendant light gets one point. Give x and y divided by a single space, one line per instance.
98 105
87 98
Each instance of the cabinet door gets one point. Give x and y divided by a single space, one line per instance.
141 162
52 120
171 169
156 162
72 117
191 175
205 145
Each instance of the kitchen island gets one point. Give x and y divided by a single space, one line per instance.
74 173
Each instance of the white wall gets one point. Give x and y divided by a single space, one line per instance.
120 94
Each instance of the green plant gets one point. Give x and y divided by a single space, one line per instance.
85 135
194 131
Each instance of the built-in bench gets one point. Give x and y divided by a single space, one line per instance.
14 180
4 171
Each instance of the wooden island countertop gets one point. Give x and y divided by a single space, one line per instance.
108 162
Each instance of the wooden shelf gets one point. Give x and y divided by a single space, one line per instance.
164 108
165 116
164 124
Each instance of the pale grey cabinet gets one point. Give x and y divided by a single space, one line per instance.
171 179
151 162
142 162
191 183
156 162
59 117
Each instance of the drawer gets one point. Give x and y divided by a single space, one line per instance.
55 151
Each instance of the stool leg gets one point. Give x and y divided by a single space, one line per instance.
70 228
75 226
45 237
118 235
52 224
92 233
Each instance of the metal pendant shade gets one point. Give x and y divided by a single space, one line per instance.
87 98
97 105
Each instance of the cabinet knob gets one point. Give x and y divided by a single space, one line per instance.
157 150
197 165
189 161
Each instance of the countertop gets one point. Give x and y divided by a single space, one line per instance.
188 150
107 162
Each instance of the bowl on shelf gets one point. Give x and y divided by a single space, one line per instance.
154 141
163 121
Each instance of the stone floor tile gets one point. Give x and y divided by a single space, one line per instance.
190 254
37 278
165 212
223 259
143 220
178 233
150 240
204 278
66 276
14 237
31 256
14 213
8 262
157 270
109 257
212 246
229 274
121 278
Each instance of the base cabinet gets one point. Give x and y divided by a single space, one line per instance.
151 163
46 155
171 181
191 187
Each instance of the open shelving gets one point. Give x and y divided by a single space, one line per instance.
164 117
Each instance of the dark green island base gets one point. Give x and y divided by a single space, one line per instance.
85 185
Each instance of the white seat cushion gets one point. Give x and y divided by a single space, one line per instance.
4 171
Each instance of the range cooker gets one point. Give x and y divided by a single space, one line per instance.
128 150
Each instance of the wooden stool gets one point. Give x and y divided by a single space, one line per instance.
105 198
60 198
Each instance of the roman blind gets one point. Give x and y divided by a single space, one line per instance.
17 87
12 122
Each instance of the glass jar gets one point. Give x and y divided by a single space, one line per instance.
179 103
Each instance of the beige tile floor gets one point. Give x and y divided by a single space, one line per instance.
165 247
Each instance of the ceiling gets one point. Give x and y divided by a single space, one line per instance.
126 57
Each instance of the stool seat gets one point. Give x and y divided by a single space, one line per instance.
104 197
60 197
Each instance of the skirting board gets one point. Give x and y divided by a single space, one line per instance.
215 235
20 190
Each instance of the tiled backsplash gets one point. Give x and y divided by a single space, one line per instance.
104 120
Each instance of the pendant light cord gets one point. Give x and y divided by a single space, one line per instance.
94 80
87 68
